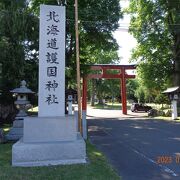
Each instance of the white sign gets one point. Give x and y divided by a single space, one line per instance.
52 61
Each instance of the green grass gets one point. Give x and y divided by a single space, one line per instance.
6 128
114 106
167 118
97 169
33 111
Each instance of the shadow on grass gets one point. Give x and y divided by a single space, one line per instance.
98 168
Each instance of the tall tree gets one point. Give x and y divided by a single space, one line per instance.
19 37
18 44
173 20
97 21
18 47
156 26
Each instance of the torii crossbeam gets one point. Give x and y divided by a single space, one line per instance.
122 75
103 71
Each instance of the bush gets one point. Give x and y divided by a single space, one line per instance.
7 113
2 139
160 113
167 112
152 112
162 99
155 112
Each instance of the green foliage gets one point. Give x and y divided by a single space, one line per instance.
143 93
140 94
155 25
162 99
131 86
107 89
19 38
96 169
110 88
0 76
18 44
97 21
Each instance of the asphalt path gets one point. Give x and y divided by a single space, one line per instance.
137 147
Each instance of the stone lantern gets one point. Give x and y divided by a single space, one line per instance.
70 100
174 95
22 98
16 132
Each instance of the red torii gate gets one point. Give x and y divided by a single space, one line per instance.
103 68
122 75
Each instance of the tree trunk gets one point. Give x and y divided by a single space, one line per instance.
93 93
177 60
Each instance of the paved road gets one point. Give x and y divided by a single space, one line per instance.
134 144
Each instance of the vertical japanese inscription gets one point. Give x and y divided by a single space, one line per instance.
52 29
52 61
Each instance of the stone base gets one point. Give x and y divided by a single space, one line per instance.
16 132
49 141
49 129
49 153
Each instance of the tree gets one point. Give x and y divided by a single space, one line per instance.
97 21
131 86
18 57
18 45
107 89
162 99
19 38
140 95
155 25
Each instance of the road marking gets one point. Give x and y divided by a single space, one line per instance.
165 168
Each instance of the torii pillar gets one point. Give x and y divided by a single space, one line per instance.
123 91
122 75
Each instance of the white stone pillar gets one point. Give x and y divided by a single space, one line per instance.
52 61
84 124
70 99
174 109
70 107
51 138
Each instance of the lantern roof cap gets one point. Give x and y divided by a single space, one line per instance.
22 89
172 89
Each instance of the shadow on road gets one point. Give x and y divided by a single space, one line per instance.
133 146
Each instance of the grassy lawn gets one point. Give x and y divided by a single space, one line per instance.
97 169
167 118
6 127
114 106
118 106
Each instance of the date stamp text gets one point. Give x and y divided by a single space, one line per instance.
168 159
